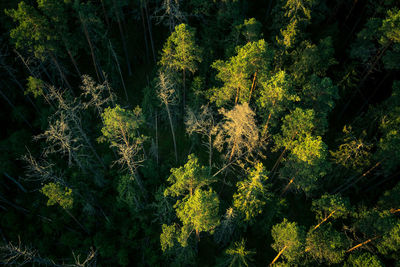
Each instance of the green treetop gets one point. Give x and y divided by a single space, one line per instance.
33 31
327 245
275 95
188 178
289 240
330 206
180 52
251 194
320 95
121 125
199 211
362 260
237 73
236 255
120 129
58 194
295 126
353 153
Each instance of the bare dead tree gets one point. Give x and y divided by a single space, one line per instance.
20 255
167 95
204 124
98 95
170 12
237 132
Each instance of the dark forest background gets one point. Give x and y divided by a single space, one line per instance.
200 132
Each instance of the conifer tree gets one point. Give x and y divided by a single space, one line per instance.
327 245
330 207
239 73
289 240
236 255
251 195
275 93
181 53
120 129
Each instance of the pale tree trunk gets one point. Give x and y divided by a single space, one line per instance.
172 131
232 151
237 96
53 58
144 31
123 39
359 178
74 62
80 225
157 138
253 85
150 31
209 153
287 186
362 244
84 136
105 14
90 46
119 70
277 256
265 130
324 220
281 156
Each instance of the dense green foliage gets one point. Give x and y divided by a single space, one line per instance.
200 133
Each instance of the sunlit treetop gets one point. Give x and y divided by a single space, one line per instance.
180 52
236 73
334 206
188 178
58 194
391 27
120 125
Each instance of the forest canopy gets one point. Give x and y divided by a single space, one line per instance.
200 133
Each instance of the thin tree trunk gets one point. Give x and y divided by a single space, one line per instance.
363 175
156 138
197 234
21 87
150 31
172 131
266 125
105 14
53 58
253 85
184 92
362 244
119 70
237 96
283 152
393 211
324 220
232 151
90 46
123 39
350 11
84 136
13 107
375 61
74 63
277 256
144 31
287 186
73 217
209 154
